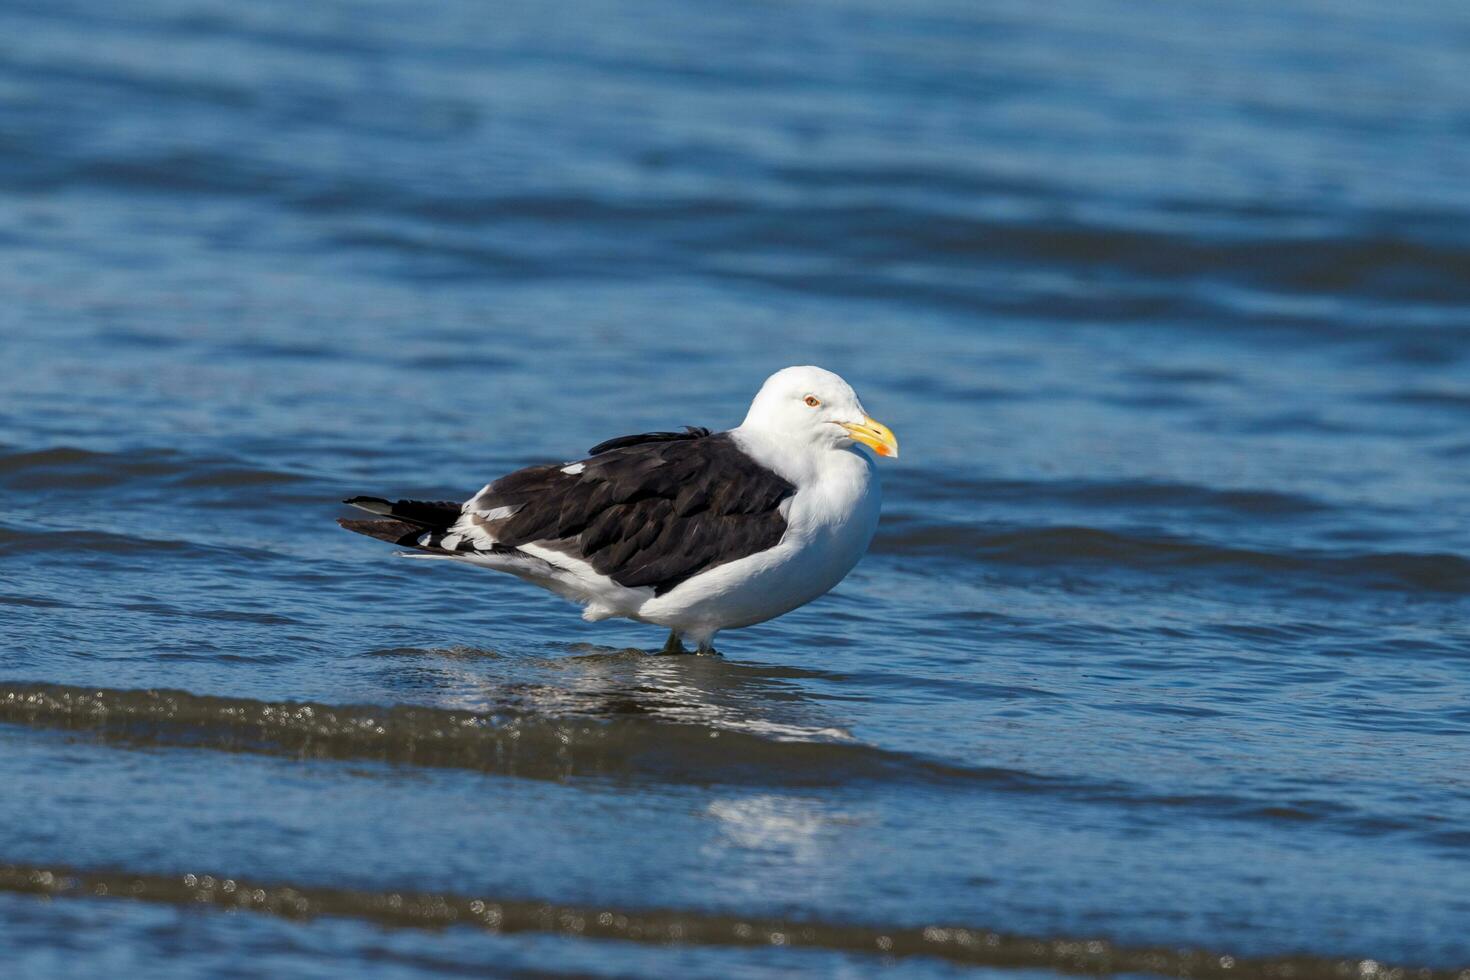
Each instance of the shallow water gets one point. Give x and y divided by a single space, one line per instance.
1162 641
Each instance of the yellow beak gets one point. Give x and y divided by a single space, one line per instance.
873 434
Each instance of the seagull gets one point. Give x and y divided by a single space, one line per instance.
695 531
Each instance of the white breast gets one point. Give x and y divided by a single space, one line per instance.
830 521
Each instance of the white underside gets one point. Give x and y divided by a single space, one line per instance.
830 521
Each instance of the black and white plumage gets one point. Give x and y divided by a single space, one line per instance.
692 530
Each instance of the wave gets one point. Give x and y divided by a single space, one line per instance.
620 735
970 945
876 241
903 534
623 742
67 467
934 485
70 468
32 541
104 542
860 238
1449 399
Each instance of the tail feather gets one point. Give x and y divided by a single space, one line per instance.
417 524
394 532
427 528
432 514
425 542
422 543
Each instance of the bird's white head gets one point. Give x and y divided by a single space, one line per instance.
816 406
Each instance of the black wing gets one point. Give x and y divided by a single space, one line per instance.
623 442
652 510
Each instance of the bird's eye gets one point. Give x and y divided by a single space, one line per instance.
812 400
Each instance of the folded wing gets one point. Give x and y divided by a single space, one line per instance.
645 511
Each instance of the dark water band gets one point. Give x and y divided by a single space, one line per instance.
613 738
606 735
427 910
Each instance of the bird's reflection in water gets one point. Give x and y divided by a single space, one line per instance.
797 827
607 682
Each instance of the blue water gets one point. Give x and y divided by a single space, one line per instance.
1162 640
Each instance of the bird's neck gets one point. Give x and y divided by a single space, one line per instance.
799 461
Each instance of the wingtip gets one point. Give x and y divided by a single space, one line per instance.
373 505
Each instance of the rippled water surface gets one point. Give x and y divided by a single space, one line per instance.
1162 643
